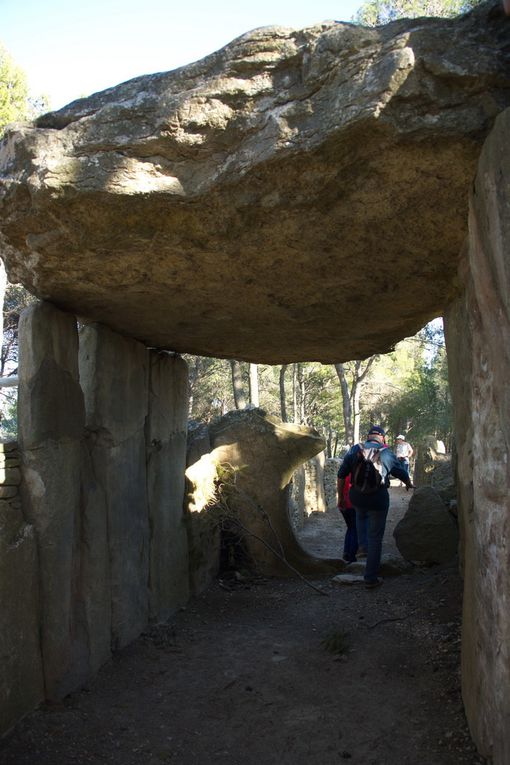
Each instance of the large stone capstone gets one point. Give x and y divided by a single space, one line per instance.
245 205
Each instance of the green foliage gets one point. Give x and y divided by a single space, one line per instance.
417 400
405 391
16 299
14 103
9 414
373 13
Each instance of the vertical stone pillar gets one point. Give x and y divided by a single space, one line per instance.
51 423
114 378
479 341
21 676
166 463
204 536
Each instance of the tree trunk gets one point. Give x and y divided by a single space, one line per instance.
301 394
3 285
295 393
346 403
254 384
283 403
356 419
237 385
194 374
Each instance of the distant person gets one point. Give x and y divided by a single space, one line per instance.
369 466
403 451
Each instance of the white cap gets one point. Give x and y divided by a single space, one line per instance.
401 437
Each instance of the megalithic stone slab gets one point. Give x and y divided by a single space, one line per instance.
114 376
478 337
272 189
166 462
51 420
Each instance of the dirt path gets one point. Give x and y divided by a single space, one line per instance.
244 677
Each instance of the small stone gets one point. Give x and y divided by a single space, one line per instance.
347 579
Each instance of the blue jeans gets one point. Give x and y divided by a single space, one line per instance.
362 534
351 536
376 520
404 462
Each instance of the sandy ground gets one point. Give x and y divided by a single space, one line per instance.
258 671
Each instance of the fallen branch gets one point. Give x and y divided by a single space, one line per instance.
227 474
280 557
391 619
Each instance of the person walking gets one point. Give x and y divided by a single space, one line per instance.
404 451
369 466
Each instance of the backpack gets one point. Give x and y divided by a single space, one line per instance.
367 472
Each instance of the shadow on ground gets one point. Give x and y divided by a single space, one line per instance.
260 672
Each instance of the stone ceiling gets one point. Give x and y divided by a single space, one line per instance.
297 195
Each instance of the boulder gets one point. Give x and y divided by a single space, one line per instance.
228 208
427 533
254 457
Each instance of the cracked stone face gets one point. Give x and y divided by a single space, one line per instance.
298 195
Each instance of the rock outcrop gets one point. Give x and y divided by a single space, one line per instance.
254 456
233 207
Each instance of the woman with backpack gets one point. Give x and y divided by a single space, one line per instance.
369 466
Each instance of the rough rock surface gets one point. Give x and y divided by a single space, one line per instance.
204 538
51 424
478 338
427 533
114 376
307 494
166 432
256 455
21 678
225 208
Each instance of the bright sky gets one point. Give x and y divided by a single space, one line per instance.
71 48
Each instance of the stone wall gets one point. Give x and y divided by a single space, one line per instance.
307 493
21 676
97 546
478 341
